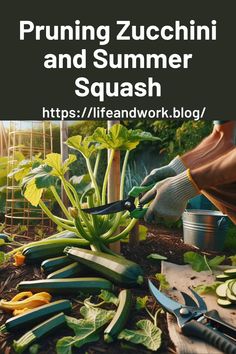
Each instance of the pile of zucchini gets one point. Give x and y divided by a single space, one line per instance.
69 274
47 318
226 291
65 276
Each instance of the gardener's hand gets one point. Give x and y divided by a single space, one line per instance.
175 167
170 197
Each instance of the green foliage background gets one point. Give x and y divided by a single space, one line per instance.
176 137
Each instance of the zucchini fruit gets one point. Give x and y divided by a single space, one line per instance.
226 291
67 286
36 315
70 271
231 272
224 302
221 290
117 269
5 238
53 264
39 253
120 318
38 332
222 277
63 234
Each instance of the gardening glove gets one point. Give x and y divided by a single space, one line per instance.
175 167
170 197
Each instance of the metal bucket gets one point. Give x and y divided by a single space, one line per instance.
205 229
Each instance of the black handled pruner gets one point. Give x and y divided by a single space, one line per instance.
194 320
136 212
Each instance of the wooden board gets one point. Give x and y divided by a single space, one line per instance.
180 277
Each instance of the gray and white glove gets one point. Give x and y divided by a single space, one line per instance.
175 167
170 197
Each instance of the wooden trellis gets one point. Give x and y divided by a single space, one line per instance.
25 140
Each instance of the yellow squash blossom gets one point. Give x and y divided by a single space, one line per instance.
19 259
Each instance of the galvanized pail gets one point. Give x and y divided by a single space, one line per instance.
205 229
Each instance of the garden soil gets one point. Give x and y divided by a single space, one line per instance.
159 240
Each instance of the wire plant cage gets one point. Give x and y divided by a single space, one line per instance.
26 140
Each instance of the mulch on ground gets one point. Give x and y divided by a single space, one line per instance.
159 240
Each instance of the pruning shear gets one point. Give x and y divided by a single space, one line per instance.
125 204
194 320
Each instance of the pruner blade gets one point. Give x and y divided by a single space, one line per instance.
183 313
164 301
111 208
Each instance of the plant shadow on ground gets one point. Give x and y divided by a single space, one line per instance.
167 242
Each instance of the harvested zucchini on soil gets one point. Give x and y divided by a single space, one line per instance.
53 248
35 316
117 269
67 286
120 318
52 264
5 238
69 271
38 332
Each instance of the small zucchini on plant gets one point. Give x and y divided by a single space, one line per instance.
96 231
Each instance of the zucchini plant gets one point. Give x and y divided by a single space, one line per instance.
97 231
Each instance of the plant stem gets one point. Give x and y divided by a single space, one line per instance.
105 182
155 316
65 221
207 264
122 181
152 317
109 251
88 303
95 170
52 217
68 192
113 228
93 179
82 214
95 218
122 234
81 230
95 247
59 201
119 215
